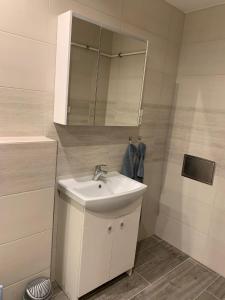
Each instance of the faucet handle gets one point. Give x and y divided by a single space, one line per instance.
99 167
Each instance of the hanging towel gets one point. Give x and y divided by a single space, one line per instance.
139 163
129 161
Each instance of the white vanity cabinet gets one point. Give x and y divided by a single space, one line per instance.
93 248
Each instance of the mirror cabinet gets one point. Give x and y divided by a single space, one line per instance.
99 74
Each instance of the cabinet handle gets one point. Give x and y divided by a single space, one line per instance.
109 228
122 225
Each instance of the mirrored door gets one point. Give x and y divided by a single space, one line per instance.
84 59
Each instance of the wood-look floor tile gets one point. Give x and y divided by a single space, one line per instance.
206 296
148 243
152 263
186 282
123 288
60 296
218 288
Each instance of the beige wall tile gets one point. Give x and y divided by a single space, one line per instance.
201 92
153 174
25 257
191 211
153 88
28 64
157 53
154 16
109 7
217 225
33 70
172 57
176 26
58 6
27 166
27 109
27 18
215 256
157 16
205 25
179 235
17 211
197 26
206 250
186 187
16 291
205 58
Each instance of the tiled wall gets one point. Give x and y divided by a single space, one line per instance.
27 177
28 45
192 214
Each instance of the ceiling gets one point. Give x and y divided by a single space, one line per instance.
191 5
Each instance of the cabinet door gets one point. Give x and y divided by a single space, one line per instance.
84 60
96 252
124 243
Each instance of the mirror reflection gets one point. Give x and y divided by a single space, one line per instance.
106 76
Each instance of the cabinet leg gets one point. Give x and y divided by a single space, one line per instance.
130 272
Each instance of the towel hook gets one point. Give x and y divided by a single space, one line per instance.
130 139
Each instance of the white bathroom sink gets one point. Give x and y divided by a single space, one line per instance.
115 192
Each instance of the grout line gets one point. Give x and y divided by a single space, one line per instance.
27 277
138 292
149 283
157 246
156 281
211 283
50 92
183 262
26 236
213 295
17 35
203 266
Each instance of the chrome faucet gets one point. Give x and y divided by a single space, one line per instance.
1 292
99 173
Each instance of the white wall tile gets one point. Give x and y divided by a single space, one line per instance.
18 210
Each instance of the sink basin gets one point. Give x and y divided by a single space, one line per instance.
115 192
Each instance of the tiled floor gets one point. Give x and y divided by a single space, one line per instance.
162 272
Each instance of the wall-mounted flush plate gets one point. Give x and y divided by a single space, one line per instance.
199 169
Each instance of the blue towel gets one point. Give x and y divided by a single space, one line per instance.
139 163
129 161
